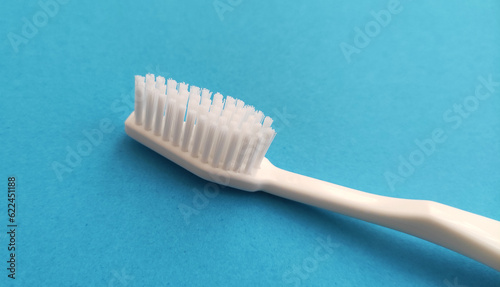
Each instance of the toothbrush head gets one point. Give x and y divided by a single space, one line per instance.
221 140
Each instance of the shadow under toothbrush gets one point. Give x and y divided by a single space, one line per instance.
158 164
400 252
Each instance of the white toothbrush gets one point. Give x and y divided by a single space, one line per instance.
226 141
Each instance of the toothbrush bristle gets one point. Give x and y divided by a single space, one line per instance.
224 133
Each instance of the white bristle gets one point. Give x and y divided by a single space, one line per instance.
205 94
194 90
220 144
230 103
249 111
140 85
160 82
195 98
179 123
191 114
241 152
183 87
268 134
205 105
150 79
227 113
188 130
160 107
237 119
171 94
209 139
194 102
251 120
267 122
233 144
198 136
229 108
171 84
150 105
217 101
259 116
215 110
240 104
224 133
183 97
255 148
169 119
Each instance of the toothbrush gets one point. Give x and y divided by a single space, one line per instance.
225 141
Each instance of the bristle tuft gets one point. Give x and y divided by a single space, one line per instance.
224 133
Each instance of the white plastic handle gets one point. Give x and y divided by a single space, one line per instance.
472 235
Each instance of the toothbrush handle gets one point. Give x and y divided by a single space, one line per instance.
472 235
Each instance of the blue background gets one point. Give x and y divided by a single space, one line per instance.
115 219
